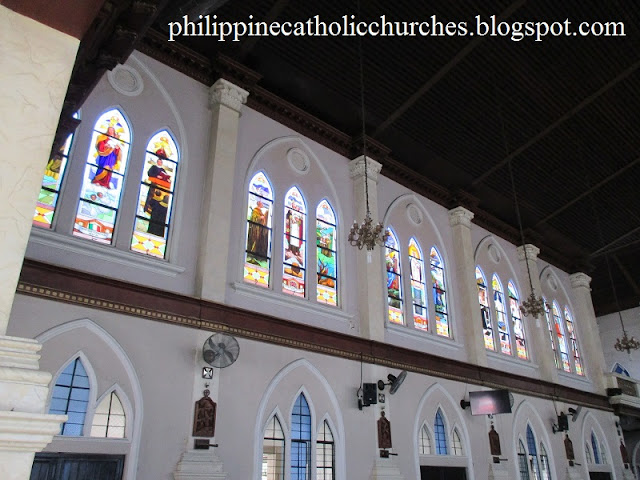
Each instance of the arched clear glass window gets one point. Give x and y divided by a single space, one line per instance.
301 440
440 434
273 451
394 279
424 441
587 452
103 178
325 454
545 469
574 342
501 315
155 200
257 262
522 461
439 293
594 447
327 253
562 341
70 397
620 370
456 444
109 420
294 243
52 183
547 316
518 327
485 312
603 454
533 453
418 286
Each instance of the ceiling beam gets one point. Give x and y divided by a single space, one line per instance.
272 15
441 73
587 101
613 242
626 274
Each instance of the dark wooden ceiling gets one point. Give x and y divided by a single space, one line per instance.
450 114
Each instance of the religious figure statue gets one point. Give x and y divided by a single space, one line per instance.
108 153
204 417
258 235
494 442
384 432
624 453
568 448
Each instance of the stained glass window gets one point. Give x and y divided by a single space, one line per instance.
394 279
545 469
440 435
533 453
70 397
594 446
518 327
103 178
485 313
501 316
326 247
547 316
418 287
300 440
51 184
456 444
424 441
273 451
294 243
155 199
257 262
562 341
620 370
109 420
522 461
574 342
325 454
439 293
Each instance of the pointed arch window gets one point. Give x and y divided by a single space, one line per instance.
501 316
522 461
109 420
103 178
594 446
155 198
518 327
456 444
547 316
326 247
325 454
418 286
424 441
574 342
562 341
485 313
533 453
273 451
545 469
258 249
439 293
587 452
620 370
52 183
394 279
603 454
440 435
294 243
300 440
70 397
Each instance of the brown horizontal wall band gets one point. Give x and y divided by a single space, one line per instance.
70 286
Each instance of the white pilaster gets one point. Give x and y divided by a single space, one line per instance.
587 330
539 342
225 101
371 293
465 285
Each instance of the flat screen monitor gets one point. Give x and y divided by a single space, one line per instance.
490 402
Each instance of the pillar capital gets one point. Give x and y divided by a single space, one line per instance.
580 279
460 216
531 250
356 168
226 93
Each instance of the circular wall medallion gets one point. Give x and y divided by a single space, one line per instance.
551 281
414 214
494 253
126 80
299 160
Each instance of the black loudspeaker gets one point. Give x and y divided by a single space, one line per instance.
563 422
369 394
612 392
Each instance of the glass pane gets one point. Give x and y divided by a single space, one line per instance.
94 222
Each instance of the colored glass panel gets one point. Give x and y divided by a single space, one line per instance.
103 178
418 286
273 451
325 453
156 196
594 446
562 341
258 248
574 342
439 293
501 316
518 326
485 313
326 251
440 434
294 244
547 316
394 279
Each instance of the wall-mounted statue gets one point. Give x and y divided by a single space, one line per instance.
568 448
384 432
204 417
494 442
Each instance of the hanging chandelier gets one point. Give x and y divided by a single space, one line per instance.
626 344
367 234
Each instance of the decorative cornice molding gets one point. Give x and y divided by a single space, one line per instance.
531 250
226 93
580 279
460 216
356 168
